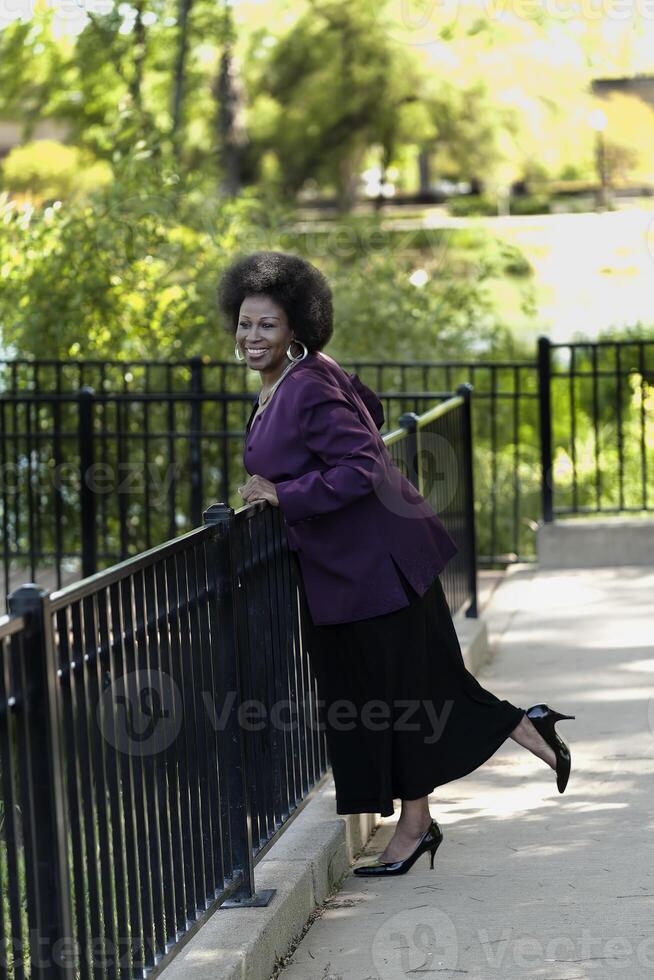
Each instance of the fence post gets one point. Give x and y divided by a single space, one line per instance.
466 391
409 421
220 562
545 417
195 441
87 493
49 909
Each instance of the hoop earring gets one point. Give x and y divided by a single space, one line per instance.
302 356
236 354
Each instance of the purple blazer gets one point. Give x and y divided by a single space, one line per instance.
350 513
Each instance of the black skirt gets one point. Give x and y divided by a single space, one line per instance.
401 712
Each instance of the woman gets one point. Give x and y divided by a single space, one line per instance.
368 550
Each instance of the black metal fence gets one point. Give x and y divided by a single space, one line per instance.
505 425
597 432
136 792
92 476
102 459
434 450
159 727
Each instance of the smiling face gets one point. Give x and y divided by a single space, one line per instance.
263 335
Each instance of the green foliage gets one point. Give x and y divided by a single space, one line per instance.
326 90
133 267
48 170
323 85
472 204
530 204
485 204
33 69
129 269
601 467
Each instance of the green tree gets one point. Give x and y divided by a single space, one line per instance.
46 170
34 70
327 90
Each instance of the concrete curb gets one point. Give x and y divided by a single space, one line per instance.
305 866
595 543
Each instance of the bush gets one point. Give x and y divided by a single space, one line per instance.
47 171
132 269
472 204
484 204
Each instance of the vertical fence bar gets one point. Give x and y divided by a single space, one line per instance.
596 430
466 391
618 412
409 421
494 466
87 495
545 406
172 462
516 460
643 423
573 424
221 569
225 447
195 442
52 947
4 469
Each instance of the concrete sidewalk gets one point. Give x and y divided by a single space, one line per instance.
528 882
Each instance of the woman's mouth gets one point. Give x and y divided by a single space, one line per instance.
256 353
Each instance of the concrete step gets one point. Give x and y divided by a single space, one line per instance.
595 542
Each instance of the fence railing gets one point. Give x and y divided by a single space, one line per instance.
597 430
102 459
159 726
139 789
434 450
92 476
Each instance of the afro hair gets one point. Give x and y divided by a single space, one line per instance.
296 285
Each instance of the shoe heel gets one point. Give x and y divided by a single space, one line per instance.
432 852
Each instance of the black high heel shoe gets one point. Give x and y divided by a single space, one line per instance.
543 718
429 841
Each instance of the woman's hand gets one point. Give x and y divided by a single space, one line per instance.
258 488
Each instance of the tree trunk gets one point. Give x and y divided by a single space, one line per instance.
424 171
183 13
228 92
140 40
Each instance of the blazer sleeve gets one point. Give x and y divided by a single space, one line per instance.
372 402
333 431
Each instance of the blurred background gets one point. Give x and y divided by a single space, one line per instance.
488 167
469 175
